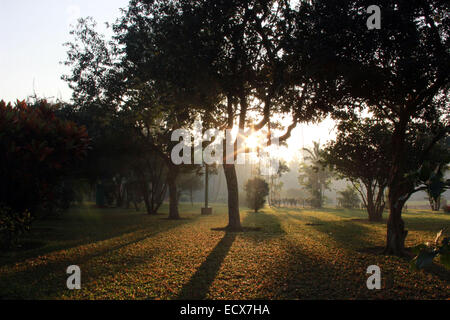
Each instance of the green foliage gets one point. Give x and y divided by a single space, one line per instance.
12 226
426 252
352 67
361 150
349 198
314 176
257 190
37 150
437 185
361 154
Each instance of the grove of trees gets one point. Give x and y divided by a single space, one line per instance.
235 64
38 151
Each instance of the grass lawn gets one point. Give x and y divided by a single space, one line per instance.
297 254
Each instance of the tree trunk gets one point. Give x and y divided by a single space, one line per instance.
148 207
146 196
398 193
435 204
396 233
375 214
374 208
173 196
234 219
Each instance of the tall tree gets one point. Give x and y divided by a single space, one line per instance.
107 75
399 73
361 154
275 184
225 57
314 175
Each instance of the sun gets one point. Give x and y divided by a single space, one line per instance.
252 141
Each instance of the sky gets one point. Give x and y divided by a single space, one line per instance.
32 34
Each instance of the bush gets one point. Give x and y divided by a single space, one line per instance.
447 208
37 151
257 190
12 225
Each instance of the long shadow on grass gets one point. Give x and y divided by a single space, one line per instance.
257 226
197 288
51 273
420 223
298 274
348 233
75 230
268 224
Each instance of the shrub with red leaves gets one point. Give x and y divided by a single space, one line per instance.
36 150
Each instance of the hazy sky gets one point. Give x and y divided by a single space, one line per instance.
32 34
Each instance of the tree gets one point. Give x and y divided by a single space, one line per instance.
398 73
126 90
436 185
297 194
360 154
314 176
149 178
227 56
37 150
119 164
257 190
189 182
349 198
275 185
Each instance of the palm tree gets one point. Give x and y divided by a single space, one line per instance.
315 176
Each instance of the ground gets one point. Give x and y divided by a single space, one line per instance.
296 254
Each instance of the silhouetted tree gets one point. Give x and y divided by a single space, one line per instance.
314 175
361 154
349 198
221 56
399 73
